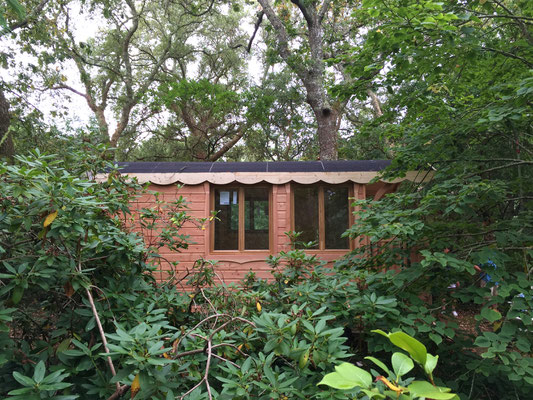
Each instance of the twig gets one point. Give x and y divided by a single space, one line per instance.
119 393
207 366
208 301
102 334
224 359
500 167
209 348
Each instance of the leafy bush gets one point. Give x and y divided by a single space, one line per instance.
426 248
395 385
82 316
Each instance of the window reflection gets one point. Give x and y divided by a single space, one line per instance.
230 232
227 227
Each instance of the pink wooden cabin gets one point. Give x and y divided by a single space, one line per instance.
257 202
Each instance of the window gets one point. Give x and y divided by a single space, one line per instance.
322 214
243 218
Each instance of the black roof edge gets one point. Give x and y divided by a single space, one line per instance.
152 167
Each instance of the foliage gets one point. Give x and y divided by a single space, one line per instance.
453 84
349 376
469 120
74 273
8 7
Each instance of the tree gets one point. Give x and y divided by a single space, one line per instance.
308 63
119 69
284 128
459 103
311 37
208 104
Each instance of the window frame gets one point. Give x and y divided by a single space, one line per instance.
322 213
241 227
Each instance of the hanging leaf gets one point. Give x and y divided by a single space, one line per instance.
69 290
135 386
49 219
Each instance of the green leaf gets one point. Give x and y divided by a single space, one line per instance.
56 386
371 394
23 380
362 377
490 314
401 364
20 391
337 381
431 363
347 376
427 390
64 345
38 374
416 350
436 338
379 364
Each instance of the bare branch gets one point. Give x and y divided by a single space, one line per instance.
501 167
256 28
66 87
510 55
102 333
279 28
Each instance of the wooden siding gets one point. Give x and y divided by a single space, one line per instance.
234 265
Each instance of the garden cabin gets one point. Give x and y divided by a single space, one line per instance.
256 202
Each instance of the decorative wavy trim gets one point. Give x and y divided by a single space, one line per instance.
275 178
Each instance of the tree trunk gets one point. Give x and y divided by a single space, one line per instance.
6 147
327 132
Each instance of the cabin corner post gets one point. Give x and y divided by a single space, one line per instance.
209 225
274 220
289 216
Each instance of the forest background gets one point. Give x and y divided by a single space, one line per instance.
440 86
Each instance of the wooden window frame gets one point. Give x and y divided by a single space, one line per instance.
322 213
241 229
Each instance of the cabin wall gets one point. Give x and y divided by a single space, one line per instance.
198 206
232 266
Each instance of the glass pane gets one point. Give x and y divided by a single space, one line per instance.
306 214
256 235
337 217
227 229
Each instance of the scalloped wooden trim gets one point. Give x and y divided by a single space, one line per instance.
275 178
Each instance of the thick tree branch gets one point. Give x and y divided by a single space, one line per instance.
376 105
228 145
515 164
67 87
306 12
279 29
256 28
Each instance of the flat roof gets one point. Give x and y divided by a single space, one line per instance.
266 166
249 173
